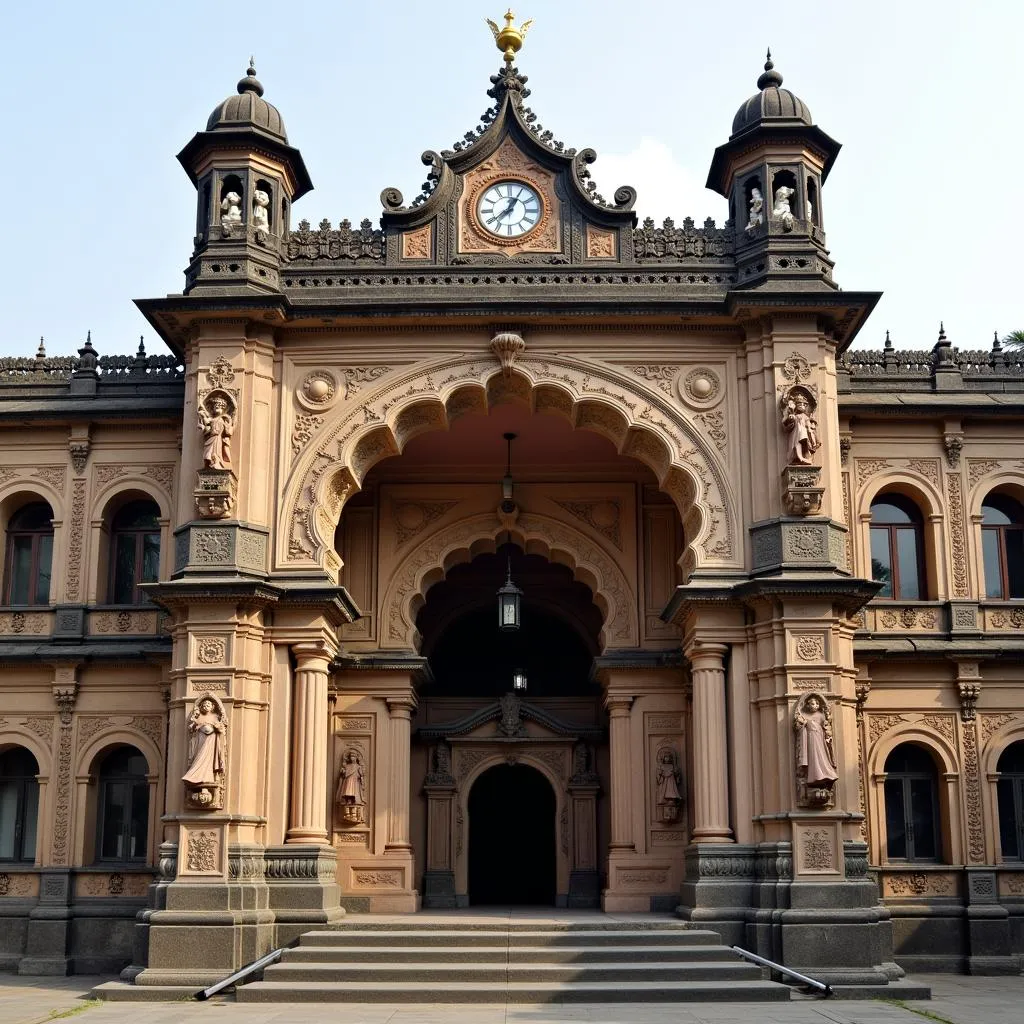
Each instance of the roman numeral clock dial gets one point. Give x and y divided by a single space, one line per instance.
509 209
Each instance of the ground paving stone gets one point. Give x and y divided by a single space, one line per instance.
957 999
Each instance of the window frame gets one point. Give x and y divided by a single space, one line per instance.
139 534
1016 787
105 782
891 530
999 530
36 535
906 779
23 782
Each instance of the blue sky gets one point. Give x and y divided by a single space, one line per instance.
921 205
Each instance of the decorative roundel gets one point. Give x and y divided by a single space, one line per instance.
700 387
317 389
509 209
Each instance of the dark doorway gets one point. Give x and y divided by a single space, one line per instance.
512 838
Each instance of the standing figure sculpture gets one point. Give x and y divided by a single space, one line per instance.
815 757
230 211
756 209
351 794
802 428
204 777
260 204
217 425
669 778
782 209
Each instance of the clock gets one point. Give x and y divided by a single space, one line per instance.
509 209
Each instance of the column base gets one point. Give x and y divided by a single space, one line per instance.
48 934
641 883
302 888
439 890
379 884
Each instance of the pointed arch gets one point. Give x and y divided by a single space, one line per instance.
641 423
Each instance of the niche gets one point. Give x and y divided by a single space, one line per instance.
203 218
231 192
755 202
262 206
284 216
813 206
784 202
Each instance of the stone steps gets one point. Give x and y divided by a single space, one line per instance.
493 961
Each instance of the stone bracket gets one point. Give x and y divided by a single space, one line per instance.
802 490
798 544
205 549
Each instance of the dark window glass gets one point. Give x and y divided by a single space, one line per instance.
1002 545
19 805
897 548
29 555
135 547
911 804
123 817
1010 791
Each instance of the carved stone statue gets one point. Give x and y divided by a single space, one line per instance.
815 757
204 778
583 773
799 423
511 722
230 212
756 209
351 794
782 209
669 779
260 203
217 424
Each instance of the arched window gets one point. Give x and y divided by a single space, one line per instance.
897 548
1002 545
29 555
911 804
19 805
122 819
1010 788
135 544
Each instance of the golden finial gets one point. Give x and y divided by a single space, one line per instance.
509 39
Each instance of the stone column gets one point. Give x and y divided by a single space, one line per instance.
307 821
400 710
710 761
621 766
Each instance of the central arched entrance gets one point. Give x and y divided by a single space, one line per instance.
511 838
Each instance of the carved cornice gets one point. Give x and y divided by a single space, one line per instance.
463 726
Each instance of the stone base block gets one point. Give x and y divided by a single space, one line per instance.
55 967
439 890
584 890
386 882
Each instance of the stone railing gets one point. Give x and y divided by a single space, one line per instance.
672 244
342 243
943 368
59 369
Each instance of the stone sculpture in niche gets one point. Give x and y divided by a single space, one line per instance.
782 210
217 424
511 722
815 758
669 779
207 733
260 203
230 212
800 425
351 794
756 210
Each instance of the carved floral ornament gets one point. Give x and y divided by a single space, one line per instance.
643 424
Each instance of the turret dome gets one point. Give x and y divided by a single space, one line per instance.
248 110
772 104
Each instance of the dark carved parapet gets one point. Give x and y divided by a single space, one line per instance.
364 243
671 244
56 369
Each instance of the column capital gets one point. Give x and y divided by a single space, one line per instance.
312 656
705 655
618 704
400 707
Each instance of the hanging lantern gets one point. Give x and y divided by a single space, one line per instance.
519 681
509 603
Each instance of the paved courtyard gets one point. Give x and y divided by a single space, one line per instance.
956 999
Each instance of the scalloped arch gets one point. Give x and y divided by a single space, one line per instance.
430 396
460 542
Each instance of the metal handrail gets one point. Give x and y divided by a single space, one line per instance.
825 990
232 979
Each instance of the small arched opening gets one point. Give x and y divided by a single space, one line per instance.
512 838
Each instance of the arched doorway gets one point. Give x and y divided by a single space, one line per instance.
512 838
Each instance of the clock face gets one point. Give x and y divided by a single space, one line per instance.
509 209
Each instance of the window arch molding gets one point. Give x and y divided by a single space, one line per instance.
106 506
947 773
926 498
1008 483
23 805
15 736
16 501
998 743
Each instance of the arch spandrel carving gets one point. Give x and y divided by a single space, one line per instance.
637 419
462 541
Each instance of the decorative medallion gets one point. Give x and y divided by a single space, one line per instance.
700 387
317 390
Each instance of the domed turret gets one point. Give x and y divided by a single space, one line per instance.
247 177
772 104
248 110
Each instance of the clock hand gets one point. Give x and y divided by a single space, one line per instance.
508 209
